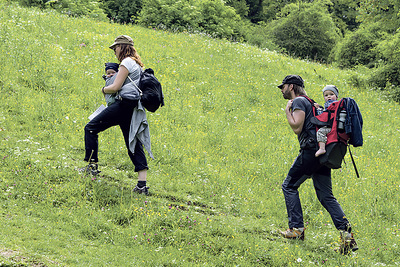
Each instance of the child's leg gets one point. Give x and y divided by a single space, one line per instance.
321 149
321 138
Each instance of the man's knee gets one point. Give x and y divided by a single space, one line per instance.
287 186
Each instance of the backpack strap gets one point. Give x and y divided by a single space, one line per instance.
314 111
312 104
137 87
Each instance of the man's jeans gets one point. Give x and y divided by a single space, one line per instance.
305 166
118 113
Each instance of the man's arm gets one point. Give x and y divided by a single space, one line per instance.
295 118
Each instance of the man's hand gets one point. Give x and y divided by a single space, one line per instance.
316 105
295 118
289 105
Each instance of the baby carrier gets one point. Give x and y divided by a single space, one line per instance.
345 120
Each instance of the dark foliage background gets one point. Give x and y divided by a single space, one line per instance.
343 32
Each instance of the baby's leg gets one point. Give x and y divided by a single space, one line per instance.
321 138
321 149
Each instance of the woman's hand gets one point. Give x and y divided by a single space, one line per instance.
122 74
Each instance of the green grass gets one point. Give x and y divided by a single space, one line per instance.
222 146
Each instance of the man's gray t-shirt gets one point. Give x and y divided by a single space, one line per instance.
307 137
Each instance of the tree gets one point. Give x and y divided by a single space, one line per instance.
344 14
241 7
386 12
272 7
255 10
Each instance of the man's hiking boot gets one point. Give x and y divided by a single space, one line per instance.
347 243
91 168
141 190
293 233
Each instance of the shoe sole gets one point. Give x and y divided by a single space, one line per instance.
300 237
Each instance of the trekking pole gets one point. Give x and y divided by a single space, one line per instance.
354 164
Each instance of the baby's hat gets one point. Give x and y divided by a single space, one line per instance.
331 88
113 66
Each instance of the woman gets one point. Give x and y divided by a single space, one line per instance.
120 112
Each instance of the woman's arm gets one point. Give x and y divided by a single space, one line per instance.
119 81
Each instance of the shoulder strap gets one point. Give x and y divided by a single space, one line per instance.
312 102
137 87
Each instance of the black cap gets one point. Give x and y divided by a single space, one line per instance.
292 79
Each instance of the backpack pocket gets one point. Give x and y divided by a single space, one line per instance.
334 155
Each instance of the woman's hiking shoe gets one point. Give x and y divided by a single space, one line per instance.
347 243
141 190
293 233
91 168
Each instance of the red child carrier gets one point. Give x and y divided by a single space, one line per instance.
337 139
343 132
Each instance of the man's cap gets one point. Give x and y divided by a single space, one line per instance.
122 39
292 79
331 88
110 65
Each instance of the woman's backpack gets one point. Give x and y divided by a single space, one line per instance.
152 96
150 90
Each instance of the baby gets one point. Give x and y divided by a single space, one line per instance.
111 69
331 94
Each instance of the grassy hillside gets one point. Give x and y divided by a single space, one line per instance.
222 146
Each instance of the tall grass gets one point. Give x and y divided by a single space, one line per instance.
222 147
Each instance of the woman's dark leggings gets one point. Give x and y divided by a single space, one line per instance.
119 113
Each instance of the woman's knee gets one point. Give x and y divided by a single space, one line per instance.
89 129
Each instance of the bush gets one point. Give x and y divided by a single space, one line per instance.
122 11
305 30
33 3
387 74
219 19
208 16
71 7
259 35
359 48
177 15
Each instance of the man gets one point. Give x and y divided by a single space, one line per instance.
299 111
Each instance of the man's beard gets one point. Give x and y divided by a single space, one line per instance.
286 95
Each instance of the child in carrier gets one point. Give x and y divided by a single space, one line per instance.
111 69
331 94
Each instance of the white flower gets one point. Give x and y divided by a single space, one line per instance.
299 260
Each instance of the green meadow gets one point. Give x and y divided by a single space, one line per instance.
222 149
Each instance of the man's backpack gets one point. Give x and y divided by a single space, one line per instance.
345 120
150 89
